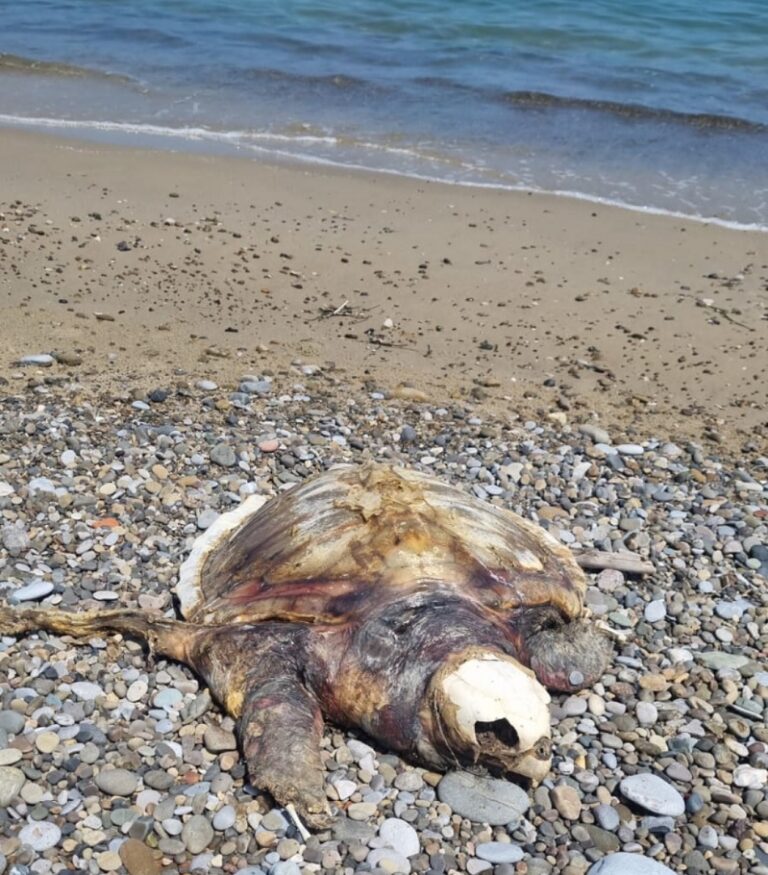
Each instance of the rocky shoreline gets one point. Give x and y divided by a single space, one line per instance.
111 761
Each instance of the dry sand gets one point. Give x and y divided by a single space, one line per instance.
215 266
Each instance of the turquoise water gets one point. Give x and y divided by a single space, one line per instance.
658 105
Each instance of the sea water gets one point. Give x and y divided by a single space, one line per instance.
660 105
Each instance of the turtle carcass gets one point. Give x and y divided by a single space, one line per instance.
380 599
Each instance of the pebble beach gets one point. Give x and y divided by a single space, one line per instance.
164 357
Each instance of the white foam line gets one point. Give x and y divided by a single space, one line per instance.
242 138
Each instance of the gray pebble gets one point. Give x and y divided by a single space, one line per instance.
11 782
224 818
38 589
393 862
116 782
655 611
499 852
40 835
647 714
40 360
629 864
654 794
197 834
401 836
86 691
12 722
607 817
222 454
483 800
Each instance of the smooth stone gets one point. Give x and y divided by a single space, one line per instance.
41 360
389 860
41 484
138 859
172 826
86 691
11 782
206 518
499 852
750 777
207 385
475 866
597 434
222 454
47 742
285 867
38 589
647 713
603 839
137 691
218 740
716 660
40 835
655 611
607 817
116 782
168 698
483 800
197 834
629 864
12 722
361 810
108 861
345 789
630 449
401 836
224 818
654 794
567 801
9 756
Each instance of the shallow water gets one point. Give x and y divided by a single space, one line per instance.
661 106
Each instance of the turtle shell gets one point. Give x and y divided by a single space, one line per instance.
327 550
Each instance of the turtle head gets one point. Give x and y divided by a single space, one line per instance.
565 654
488 709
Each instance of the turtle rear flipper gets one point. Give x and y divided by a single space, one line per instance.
163 636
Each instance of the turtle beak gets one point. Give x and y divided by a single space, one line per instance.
490 709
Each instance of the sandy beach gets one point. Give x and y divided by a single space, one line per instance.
141 269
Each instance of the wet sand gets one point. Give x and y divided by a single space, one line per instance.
153 268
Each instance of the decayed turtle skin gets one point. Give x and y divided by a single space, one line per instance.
381 599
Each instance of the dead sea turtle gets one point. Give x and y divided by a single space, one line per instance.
381 599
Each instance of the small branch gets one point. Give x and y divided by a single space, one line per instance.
629 563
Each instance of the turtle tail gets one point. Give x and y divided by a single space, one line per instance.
162 636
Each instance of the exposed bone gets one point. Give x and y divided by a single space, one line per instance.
303 831
488 688
629 563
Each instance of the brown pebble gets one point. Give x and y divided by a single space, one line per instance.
138 859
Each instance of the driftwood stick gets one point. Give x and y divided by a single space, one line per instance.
629 563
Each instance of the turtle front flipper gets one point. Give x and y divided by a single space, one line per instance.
257 673
165 637
281 728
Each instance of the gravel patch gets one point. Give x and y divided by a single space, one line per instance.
110 759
